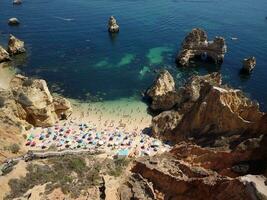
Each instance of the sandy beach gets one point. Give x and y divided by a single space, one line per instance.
116 128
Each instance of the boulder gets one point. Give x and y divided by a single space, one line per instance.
249 64
4 55
15 46
162 93
63 107
28 101
13 21
113 27
196 44
165 123
17 2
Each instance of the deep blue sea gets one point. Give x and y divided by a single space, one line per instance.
69 46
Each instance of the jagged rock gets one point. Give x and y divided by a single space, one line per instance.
249 64
190 172
162 93
4 55
63 107
113 27
196 44
28 101
13 21
165 122
17 2
220 110
189 93
15 46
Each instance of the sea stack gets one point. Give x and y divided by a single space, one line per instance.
249 64
196 44
113 27
17 2
15 46
4 55
13 21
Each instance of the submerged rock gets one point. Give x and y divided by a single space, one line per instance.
4 55
162 93
196 44
113 27
15 46
249 64
13 21
28 101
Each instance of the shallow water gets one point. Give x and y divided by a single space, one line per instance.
69 46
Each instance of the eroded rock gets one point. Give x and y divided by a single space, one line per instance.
15 46
191 172
4 55
249 64
28 101
162 93
196 44
165 122
113 27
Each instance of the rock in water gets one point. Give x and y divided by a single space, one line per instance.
4 55
15 46
162 93
13 21
17 2
249 64
196 44
113 27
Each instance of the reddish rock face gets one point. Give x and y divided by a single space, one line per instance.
191 172
196 44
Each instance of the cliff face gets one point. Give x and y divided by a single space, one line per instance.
192 172
220 151
211 113
29 102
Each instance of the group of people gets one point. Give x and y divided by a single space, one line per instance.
114 142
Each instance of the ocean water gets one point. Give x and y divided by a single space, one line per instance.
69 46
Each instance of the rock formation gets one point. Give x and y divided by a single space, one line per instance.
29 102
113 27
249 64
196 44
191 172
15 46
162 93
13 21
4 55
17 2
211 113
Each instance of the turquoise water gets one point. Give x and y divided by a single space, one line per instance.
69 46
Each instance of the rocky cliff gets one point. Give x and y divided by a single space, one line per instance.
29 102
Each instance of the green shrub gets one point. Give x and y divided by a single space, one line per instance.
14 148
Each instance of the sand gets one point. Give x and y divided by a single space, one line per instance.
128 113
